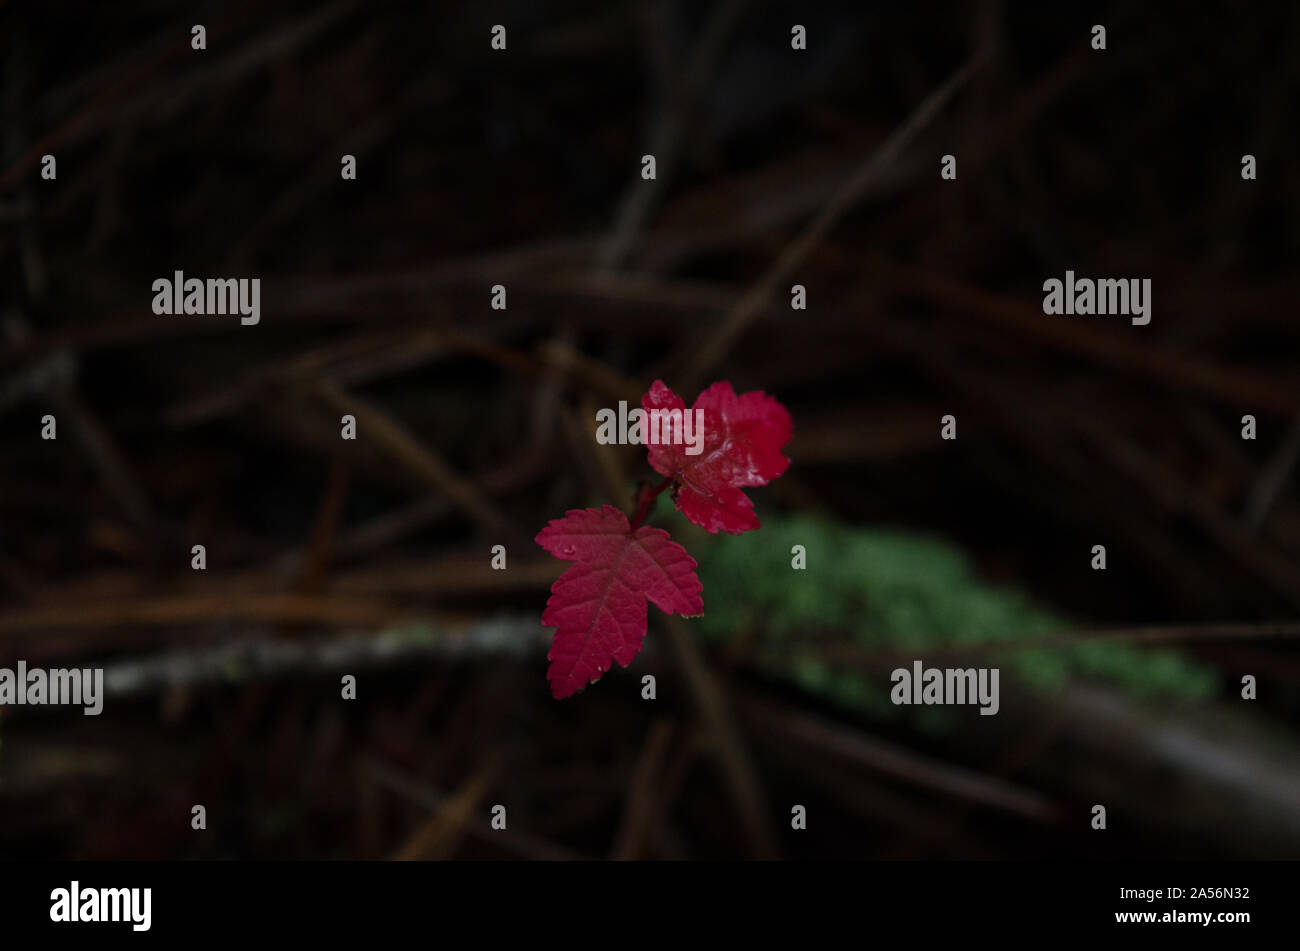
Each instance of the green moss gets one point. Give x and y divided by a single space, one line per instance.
876 590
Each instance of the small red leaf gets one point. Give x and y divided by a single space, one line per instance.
742 443
598 606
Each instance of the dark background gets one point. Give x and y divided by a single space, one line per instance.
521 167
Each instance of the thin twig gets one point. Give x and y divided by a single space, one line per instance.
704 357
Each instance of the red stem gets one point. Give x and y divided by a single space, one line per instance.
645 497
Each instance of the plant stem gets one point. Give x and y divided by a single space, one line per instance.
645 497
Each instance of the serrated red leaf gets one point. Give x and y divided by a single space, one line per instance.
598 606
743 439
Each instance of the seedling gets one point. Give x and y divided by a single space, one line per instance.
598 606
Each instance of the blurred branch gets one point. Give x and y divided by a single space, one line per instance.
700 359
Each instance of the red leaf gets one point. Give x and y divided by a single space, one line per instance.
743 439
598 606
